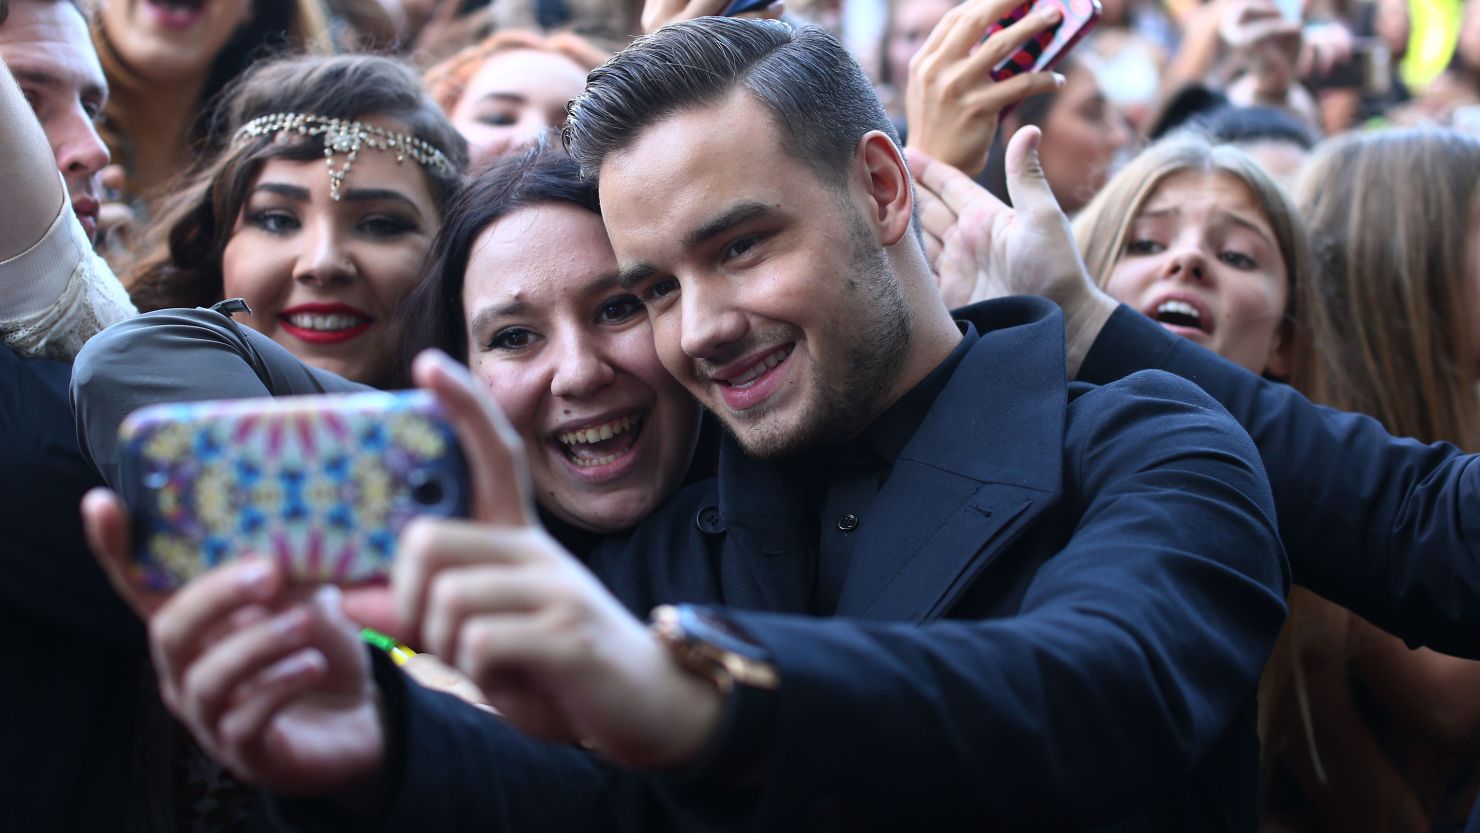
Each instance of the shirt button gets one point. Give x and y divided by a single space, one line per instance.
848 522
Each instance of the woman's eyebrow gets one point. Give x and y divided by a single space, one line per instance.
373 194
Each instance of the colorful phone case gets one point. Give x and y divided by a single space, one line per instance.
1044 51
323 484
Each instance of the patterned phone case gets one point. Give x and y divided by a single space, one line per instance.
1045 50
323 484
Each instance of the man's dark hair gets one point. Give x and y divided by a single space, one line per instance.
816 93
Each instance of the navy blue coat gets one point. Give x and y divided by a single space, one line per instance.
1054 620
1389 528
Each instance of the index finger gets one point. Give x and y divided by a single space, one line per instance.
496 458
177 630
949 185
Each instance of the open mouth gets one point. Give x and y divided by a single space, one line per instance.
177 14
747 379
600 444
1178 313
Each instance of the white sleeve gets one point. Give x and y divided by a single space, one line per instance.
59 293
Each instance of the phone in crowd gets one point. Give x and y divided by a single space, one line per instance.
743 6
322 484
1369 69
1050 46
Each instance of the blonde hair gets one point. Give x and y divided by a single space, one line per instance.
447 80
1389 216
1103 228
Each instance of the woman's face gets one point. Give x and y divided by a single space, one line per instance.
324 278
913 22
1202 260
514 97
171 41
569 356
1081 136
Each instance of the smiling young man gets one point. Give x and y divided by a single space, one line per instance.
932 587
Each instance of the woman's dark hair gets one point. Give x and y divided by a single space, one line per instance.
1245 125
433 315
181 264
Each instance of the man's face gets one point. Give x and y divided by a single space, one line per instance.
48 49
771 297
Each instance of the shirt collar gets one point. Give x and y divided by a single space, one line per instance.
891 432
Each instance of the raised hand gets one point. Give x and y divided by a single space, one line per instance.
951 102
271 681
555 653
659 13
983 249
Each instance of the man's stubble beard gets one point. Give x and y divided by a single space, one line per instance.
875 329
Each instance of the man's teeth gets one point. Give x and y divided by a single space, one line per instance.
596 434
1179 308
326 323
584 463
745 379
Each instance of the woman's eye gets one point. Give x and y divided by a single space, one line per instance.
386 226
1142 247
511 338
497 120
1238 260
275 222
660 289
619 309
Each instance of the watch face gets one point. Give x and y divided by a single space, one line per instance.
718 630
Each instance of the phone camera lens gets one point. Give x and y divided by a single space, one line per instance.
427 491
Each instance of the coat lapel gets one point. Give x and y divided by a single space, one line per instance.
985 462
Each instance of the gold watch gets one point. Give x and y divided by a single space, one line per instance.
707 643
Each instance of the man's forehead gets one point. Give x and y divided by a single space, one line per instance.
49 43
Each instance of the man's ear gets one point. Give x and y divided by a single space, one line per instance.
1277 363
891 203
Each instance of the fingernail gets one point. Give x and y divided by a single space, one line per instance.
253 578
1059 80
1050 13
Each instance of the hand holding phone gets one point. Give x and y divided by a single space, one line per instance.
321 484
1043 52
956 92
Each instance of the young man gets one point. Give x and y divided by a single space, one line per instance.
78 653
941 588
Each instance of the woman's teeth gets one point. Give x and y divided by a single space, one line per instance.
324 323
597 433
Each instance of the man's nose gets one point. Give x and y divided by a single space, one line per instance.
80 151
710 320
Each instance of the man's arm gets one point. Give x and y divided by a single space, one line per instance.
1133 649
33 190
1384 526
178 356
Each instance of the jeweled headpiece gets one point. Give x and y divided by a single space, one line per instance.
342 136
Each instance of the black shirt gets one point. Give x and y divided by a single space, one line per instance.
847 476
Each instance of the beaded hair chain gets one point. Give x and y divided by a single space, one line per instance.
341 136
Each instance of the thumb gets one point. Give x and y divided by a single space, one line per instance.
1026 184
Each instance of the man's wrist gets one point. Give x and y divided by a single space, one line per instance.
1084 318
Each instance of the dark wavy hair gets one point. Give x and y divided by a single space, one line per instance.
181 265
433 315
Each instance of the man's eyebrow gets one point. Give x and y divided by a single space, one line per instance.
632 275
742 212
41 78
373 194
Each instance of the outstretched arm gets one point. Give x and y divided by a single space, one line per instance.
33 188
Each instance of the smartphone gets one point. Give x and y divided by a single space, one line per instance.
743 6
322 484
1369 69
1050 46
